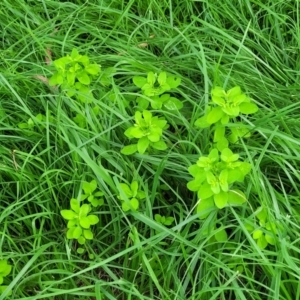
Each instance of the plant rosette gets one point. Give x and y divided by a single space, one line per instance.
214 176
131 196
148 130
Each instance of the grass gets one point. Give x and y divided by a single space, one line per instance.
253 44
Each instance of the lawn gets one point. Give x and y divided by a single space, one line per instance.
150 149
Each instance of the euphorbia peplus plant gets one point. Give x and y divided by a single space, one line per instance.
74 74
154 87
214 177
223 107
131 196
79 222
265 232
5 270
148 130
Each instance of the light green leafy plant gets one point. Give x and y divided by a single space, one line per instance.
33 122
154 87
131 196
223 107
266 233
148 130
167 221
5 270
74 74
90 193
214 177
79 222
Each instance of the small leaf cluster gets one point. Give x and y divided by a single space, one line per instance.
266 233
90 193
5 270
167 221
214 177
131 196
154 87
223 107
148 130
74 74
79 218
32 122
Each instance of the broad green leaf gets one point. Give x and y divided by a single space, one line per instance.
236 197
68 214
93 219
162 78
156 103
81 240
160 145
202 122
5 268
84 210
141 195
235 91
214 115
173 104
83 78
218 91
84 222
157 218
83 59
80 250
160 123
195 170
262 214
219 101
3 288
232 111
221 235
72 223
238 99
70 233
92 69
151 78
205 207
142 103
233 138
270 239
134 188
74 203
71 78
154 136
173 81
89 187
214 155
74 54
221 199
219 133
257 234
235 175
143 144
248 108
245 168
168 221
77 232
225 120
139 81
56 79
88 234
130 149
195 185
147 116
222 144
205 191
133 204
262 242
226 154
223 180
134 132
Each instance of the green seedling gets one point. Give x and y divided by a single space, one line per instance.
214 177
5 270
223 107
79 222
148 130
267 232
167 221
154 87
131 196
95 198
74 74
32 123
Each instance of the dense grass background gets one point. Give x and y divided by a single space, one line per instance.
254 44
